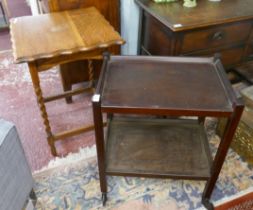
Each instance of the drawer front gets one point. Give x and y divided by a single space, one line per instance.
216 36
229 57
156 38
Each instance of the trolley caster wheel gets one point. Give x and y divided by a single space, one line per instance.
207 204
104 198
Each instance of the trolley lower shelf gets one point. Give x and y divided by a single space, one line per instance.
155 147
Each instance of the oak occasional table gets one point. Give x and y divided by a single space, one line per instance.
48 40
143 97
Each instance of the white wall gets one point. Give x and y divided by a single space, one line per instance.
34 6
129 26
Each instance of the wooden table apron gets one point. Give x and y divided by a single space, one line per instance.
48 40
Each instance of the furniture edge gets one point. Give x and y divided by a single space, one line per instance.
236 102
179 27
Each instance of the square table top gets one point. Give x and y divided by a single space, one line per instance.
169 84
61 33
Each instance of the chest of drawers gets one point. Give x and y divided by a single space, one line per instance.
212 27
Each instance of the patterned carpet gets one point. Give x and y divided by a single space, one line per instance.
75 186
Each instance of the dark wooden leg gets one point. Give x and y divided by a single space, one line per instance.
206 202
36 84
104 198
99 134
65 70
201 120
221 154
68 87
33 197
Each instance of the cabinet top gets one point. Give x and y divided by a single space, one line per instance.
178 18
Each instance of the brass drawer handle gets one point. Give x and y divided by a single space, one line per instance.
217 36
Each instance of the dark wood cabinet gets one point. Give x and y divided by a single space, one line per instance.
223 27
76 72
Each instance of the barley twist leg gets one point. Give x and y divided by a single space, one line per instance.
91 73
42 107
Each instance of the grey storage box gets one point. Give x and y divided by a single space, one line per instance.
16 182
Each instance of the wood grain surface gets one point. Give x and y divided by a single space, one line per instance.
61 33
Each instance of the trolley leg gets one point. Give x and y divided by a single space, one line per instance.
99 134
